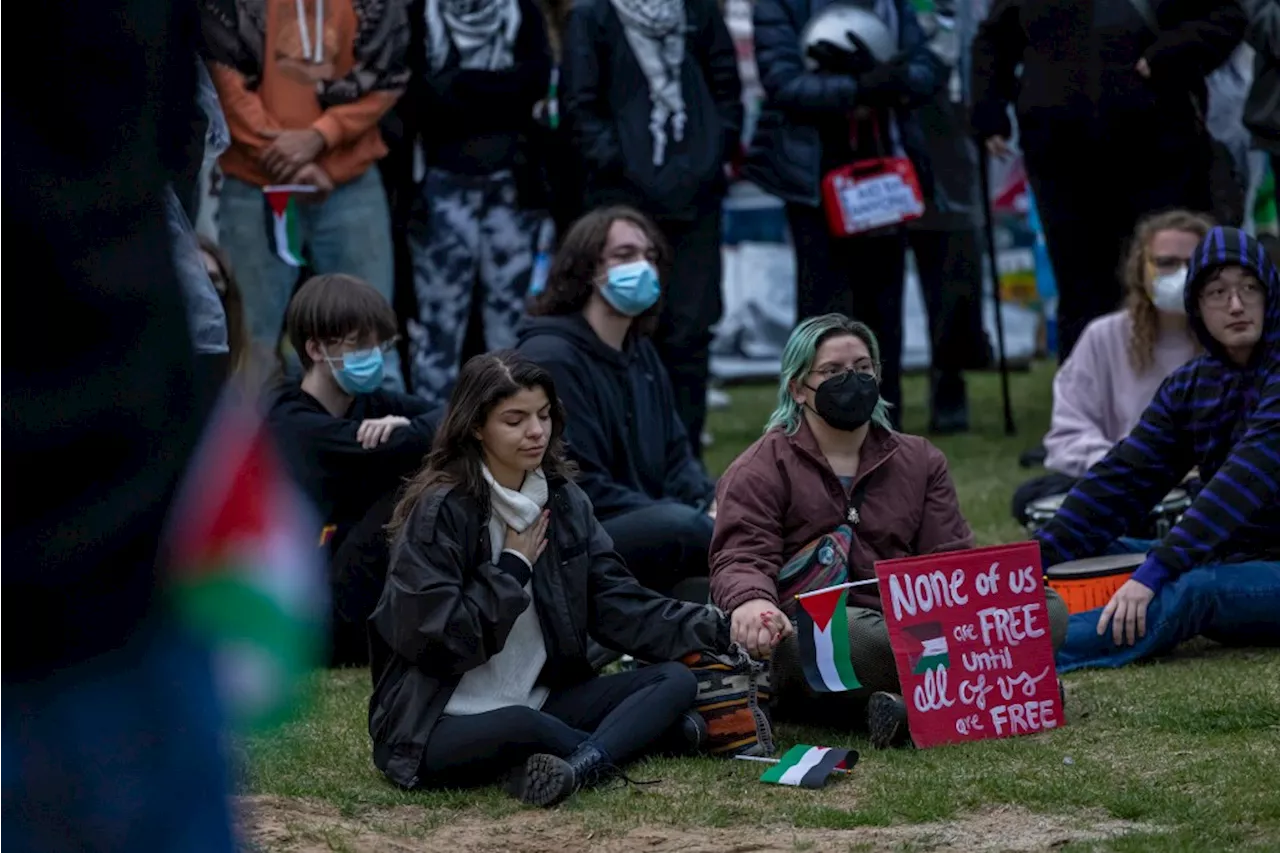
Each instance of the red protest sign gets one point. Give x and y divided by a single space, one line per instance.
970 636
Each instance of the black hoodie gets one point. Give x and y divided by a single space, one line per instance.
342 478
1210 413
623 430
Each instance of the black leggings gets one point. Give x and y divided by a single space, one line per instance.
621 715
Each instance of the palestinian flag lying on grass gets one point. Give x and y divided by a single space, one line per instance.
932 652
282 220
822 629
246 575
809 766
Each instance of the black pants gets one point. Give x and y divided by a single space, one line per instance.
663 544
692 304
357 572
1090 193
622 715
861 277
949 263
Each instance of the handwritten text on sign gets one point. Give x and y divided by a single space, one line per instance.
970 636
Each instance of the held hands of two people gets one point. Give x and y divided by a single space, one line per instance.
758 625
533 541
1127 613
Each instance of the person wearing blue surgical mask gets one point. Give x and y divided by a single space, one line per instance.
349 442
590 328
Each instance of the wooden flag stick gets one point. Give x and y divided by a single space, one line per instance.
775 761
838 586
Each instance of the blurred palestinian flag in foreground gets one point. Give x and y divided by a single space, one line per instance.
247 577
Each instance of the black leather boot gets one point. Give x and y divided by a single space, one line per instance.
548 780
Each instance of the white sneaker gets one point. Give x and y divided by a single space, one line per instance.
718 398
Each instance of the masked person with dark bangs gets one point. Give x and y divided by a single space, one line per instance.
829 465
350 442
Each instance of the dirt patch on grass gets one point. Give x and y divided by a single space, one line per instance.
287 825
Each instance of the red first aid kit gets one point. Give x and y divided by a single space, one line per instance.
865 195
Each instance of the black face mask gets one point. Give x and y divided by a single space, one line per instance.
847 401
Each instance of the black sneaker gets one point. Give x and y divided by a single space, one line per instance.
886 719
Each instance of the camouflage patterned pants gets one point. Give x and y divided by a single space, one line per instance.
468 239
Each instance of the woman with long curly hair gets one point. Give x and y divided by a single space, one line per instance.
1121 358
499 572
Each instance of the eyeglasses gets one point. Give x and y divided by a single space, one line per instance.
385 346
1219 295
864 366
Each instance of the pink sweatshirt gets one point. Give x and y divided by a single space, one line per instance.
1097 396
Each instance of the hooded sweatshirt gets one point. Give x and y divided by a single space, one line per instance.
1211 413
622 428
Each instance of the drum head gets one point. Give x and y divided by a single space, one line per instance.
1046 506
1096 567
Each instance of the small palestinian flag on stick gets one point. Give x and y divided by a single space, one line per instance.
933 651
282 220
809 766
822 629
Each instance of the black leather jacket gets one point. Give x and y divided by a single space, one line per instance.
448 607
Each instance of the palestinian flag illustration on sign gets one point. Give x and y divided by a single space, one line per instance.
933 650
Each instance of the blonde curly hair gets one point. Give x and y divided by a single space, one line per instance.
1143 316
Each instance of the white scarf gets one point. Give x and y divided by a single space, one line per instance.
517 510
483 31
655 30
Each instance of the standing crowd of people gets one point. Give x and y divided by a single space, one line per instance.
498 526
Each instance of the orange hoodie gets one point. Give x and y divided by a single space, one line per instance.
295 66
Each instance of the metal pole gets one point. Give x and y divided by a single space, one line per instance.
989 226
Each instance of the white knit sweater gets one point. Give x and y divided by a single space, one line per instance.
509 677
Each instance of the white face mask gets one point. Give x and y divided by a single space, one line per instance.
1166 291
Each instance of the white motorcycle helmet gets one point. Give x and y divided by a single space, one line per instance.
833 22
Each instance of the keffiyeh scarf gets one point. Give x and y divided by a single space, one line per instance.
655 30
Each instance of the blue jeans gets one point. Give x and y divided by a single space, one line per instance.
1235 603
123 752
350 232
205 313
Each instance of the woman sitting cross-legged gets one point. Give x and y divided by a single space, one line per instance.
829 465
499 570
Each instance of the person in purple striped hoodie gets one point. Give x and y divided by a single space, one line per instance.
1217 572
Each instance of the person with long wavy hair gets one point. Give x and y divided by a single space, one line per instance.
591 329
1113 372
499 572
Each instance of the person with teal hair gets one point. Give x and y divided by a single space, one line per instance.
798 356
829 489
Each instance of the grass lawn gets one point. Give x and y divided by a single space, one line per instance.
1177 756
